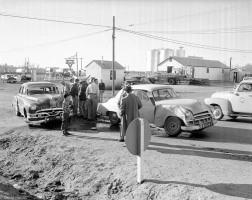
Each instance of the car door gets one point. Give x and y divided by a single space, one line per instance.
241 100
20 98
148 109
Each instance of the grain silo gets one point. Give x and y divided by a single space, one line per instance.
152 59
180 52
165 53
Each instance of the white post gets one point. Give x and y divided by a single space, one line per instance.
139 165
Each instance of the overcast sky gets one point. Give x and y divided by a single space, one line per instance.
60 28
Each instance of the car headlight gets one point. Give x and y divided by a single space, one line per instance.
33 107
182 112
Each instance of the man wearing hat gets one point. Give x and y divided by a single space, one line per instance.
82 98
129 106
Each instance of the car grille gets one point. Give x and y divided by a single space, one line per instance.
49 112
202 118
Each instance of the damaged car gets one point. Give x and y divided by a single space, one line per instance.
162 107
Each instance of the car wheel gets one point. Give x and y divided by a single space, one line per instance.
172 81
218 113
172 126
17 111
114 119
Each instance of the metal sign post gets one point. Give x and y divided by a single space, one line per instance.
139 163
138 137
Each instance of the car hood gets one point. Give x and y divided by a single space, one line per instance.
47 100
222 94
190 104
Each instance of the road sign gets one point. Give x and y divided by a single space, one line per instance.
138 136
134 137
70 62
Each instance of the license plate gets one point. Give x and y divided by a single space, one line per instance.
206 125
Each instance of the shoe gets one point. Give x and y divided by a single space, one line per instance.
64 134
67 133
121 140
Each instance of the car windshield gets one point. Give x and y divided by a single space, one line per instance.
164 94
42 90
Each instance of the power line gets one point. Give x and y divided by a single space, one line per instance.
55 42
185 43
244 29
193 15
53 20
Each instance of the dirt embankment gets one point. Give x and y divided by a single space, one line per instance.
93 165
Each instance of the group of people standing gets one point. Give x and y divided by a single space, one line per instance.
83 98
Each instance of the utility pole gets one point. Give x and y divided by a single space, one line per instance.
81 62
230 65
113 58
77 65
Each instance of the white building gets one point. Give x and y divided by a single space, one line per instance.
196 68
102 69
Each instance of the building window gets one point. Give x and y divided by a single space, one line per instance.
207 70
222 71
111 74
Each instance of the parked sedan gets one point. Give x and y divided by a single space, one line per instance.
233 103
38 102
8 78
164 108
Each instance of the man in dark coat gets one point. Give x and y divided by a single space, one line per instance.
75 93
82 99
129 107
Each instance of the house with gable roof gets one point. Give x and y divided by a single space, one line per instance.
102 69
196 67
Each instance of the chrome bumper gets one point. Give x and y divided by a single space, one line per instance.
43 117
39 121
198 127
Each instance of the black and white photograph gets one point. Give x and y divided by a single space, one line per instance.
125 100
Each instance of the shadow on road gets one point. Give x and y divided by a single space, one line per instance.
224 134
202 151
235 190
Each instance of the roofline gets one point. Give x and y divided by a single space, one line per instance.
174 57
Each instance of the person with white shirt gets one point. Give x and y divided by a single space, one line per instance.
92 93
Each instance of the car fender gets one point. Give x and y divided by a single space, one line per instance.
225 104
105 108
161 114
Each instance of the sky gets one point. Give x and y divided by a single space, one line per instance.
48 31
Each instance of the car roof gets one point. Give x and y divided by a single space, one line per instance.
150 87
247 81
38 83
